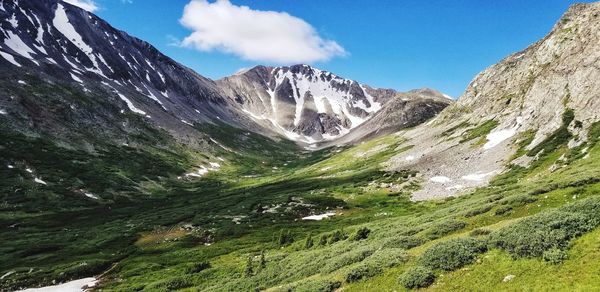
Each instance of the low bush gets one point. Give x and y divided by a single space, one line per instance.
554 256
312 286
197 267
347 259
444 228
405 242
417 277
503 210
362 271
479 232
453 254
374 264
535 235
519 200
171 284
478 211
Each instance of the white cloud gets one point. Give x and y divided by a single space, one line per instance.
88 5
254 35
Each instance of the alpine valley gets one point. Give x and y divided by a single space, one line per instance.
123 170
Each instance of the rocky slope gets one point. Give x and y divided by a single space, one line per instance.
309 105
114 75
523 98
53 42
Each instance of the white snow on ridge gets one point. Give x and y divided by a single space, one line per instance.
73 286
9 58
15 43
130 105
76 78
64 26
13 21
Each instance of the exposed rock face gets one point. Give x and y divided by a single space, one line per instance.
114 75
527 91
538 84
310 105
403 110
111 73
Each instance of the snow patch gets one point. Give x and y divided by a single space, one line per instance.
15 43
319 217
495 138
64 26
8 57
39 181
478 176
130 105
73 286
76 78
91 196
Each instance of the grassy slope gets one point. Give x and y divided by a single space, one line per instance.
152 252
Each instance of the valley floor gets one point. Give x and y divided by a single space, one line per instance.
241 228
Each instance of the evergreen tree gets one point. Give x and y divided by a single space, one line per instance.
263 262
309 241
323 240
249 269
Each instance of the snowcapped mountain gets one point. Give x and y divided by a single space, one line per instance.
67 42
114 75
305 103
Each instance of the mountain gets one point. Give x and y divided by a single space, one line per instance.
126 170
56 41
310 105
537 97
114 75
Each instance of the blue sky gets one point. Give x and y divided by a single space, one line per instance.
393 44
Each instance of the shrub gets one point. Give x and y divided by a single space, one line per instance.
479 232
197 267
519 200
554 229
554 256
363 271
503 210
346 259
444 228
387 257
361 234
313 286
405 242
479 210
171 284
417 277
453 254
